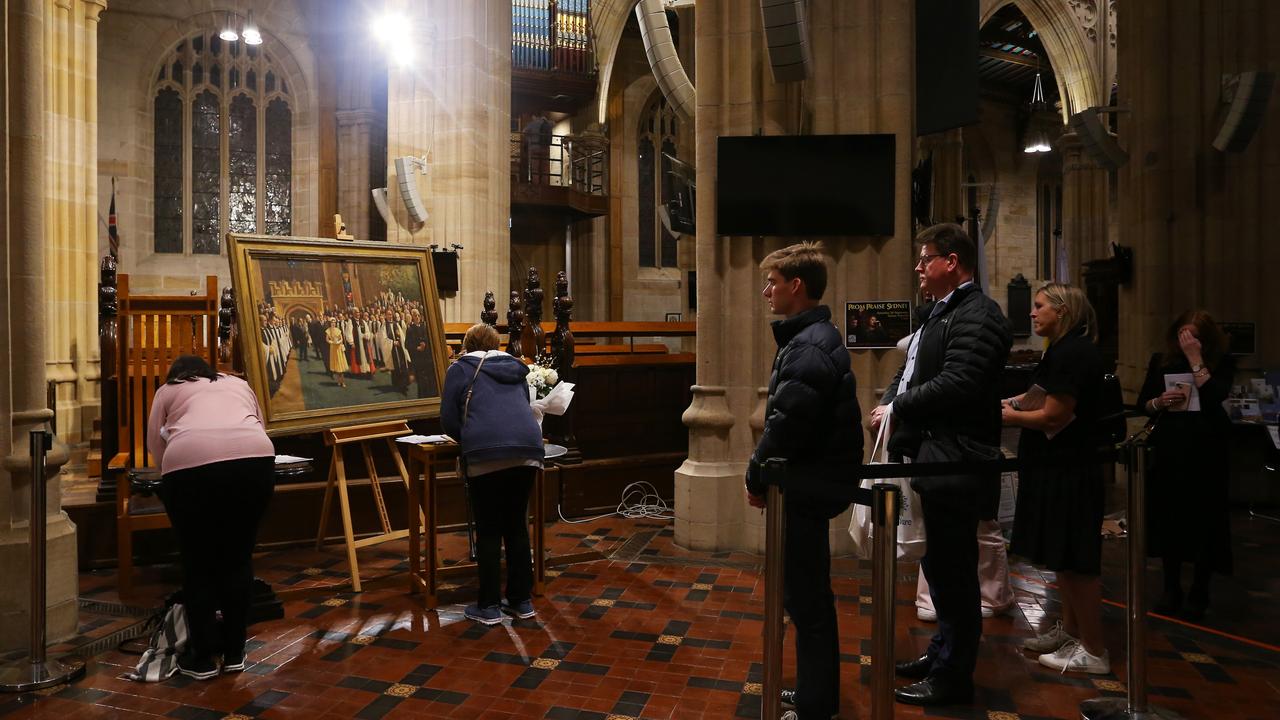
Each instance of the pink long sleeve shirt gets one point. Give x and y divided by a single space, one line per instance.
201 422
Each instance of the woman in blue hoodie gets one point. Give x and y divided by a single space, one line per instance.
486 408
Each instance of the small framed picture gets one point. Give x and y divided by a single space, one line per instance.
673 317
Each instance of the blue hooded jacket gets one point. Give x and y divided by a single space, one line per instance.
499 424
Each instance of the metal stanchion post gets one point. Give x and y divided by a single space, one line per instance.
1133 707
36 672
885 502
774 545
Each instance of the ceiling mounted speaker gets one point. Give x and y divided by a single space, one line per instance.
1097 140
380 202
1248 93
786 34
407 178
660 49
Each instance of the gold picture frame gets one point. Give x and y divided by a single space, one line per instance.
358 299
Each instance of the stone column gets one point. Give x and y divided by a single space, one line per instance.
1085 207
71 191
453 104
355 128
863 75
24 317
1201 223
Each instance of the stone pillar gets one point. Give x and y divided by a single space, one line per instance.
863 75
1201 223
1085 206
71 192
24 318
355 127
453 104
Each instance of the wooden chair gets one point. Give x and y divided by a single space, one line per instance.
152 331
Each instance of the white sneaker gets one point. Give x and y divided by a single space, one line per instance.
1075 658
1049 641
926 614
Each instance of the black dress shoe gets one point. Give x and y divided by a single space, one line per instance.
917 669
935 691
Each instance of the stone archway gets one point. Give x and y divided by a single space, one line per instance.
1080 42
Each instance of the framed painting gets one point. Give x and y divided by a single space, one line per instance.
337 333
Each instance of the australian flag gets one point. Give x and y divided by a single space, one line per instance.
113 234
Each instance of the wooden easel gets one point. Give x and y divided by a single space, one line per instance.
363 434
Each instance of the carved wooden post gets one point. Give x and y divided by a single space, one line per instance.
515 324
533 337
229 333
559 428
489 316
108 339
562 337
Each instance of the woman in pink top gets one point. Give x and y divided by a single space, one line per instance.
217 469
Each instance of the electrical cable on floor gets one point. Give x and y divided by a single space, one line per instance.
639 500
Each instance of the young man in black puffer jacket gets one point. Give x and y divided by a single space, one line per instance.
811 420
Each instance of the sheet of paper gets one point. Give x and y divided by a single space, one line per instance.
1275 435
1172 380
424 439
1033 399
285 459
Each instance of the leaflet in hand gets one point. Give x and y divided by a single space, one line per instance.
1032 399
555 403
1183 382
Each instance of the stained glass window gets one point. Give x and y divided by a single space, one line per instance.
658 247
206 173
668 240
242 188
645 166
239 122
279 204
169 172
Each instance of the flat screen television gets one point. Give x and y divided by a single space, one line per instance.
802 185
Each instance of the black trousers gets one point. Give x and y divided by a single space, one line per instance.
215 510
809 601
950 564
500 501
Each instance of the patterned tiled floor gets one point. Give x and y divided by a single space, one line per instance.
648 631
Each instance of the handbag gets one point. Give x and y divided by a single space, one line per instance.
910 534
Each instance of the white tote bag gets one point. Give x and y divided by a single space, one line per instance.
910 522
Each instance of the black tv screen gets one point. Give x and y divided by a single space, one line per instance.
805 185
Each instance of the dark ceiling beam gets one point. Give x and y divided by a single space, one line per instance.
1008 38
1013 59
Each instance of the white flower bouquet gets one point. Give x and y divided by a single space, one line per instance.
547 395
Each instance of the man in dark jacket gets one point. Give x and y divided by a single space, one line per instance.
946 406
811 420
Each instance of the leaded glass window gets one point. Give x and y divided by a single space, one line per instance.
657 130
223 157
645 165
279 198
242 190
169 172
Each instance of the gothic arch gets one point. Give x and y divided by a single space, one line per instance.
1071 51
608 18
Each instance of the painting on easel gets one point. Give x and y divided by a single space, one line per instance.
337 332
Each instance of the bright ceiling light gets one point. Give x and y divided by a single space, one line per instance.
251 34
229 30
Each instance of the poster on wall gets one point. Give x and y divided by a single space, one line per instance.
876 323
